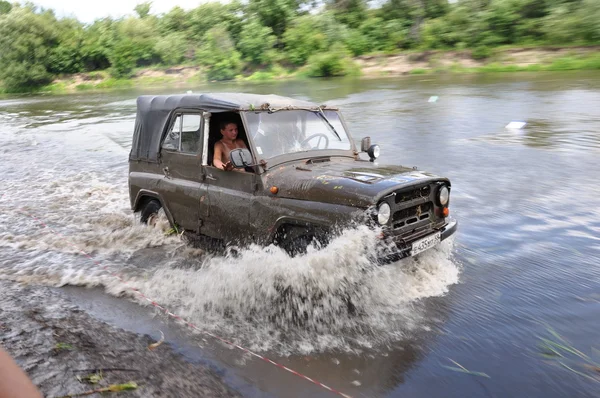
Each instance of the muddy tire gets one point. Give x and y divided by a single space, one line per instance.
298 245
150 210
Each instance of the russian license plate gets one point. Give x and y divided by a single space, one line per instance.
425 243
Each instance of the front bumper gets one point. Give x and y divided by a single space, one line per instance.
393 248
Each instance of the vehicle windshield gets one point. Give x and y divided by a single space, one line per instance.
290 131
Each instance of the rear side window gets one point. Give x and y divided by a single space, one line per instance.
184 134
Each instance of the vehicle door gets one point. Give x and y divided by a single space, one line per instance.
232 196
183 188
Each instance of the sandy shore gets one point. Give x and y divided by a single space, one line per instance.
57 344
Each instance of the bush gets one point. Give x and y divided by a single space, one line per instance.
481 52
335 62
171 49
123 59
357 43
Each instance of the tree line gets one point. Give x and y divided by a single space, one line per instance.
229 39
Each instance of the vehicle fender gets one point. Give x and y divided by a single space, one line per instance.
144 194
323 222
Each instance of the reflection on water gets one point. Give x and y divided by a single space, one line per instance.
525 258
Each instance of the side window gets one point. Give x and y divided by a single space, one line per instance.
190 135
184 135
172 139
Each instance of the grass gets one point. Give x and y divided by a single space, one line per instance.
420 71
63 346
113 83
462 369
554 347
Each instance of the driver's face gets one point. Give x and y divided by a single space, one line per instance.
230 131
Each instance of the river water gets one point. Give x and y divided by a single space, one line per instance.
509 307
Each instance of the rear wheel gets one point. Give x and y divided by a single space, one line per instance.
149 211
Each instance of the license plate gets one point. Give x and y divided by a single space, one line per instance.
425 243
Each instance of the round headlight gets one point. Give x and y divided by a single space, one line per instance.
373 151
383 213
444 195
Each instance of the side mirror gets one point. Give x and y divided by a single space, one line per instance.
365 143
240 158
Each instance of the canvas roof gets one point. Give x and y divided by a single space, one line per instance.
153 113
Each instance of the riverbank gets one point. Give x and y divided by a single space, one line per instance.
65 351
523 59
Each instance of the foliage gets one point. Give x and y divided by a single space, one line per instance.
171 49
218 54
348 12
143 9
276 14
303 39
26 41
5 7
228 39
481 52
256 43
335 62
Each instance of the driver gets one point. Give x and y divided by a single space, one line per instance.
229 142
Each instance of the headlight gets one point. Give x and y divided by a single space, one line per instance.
383 213
373 152
443 195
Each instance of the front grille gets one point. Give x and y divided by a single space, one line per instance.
412 215
413 209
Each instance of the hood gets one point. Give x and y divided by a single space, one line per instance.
343 181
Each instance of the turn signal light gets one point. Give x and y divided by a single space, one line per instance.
446 212
274 190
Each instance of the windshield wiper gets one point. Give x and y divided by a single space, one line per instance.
322 114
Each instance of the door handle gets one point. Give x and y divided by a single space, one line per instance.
166 172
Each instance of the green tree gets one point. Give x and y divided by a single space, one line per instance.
66 57
303 39
123 58
133 45
349 12
172 48
208 15
590 20
5 7
97 44
26 40
176 20
143 9
256 43
219 55
276 14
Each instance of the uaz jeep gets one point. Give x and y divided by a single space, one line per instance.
301 179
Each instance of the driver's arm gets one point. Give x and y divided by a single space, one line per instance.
218 156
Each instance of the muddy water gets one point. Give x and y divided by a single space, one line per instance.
510 297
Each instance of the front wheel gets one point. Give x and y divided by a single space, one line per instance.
149 211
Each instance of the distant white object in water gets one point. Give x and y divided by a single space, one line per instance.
433 98
516 125
189 92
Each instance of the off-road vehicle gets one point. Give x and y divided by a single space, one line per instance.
301 179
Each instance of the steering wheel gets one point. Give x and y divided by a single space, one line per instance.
320 136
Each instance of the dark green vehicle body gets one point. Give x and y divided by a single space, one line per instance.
306 193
